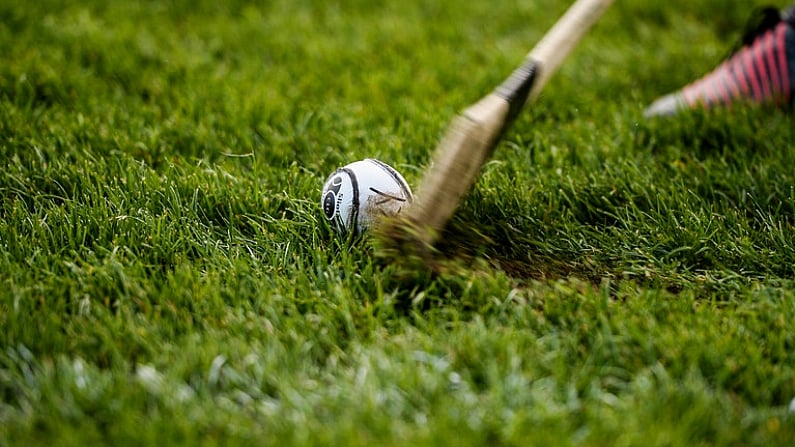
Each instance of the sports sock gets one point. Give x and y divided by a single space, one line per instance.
762 71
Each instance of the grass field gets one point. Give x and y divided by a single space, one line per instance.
168 277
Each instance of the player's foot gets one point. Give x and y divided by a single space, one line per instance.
761 71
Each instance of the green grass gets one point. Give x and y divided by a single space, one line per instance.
168 277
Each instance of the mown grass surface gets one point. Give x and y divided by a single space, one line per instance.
168 277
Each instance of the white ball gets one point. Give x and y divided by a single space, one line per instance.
357 194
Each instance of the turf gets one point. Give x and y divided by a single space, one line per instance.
168 277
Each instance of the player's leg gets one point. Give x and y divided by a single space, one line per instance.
762 70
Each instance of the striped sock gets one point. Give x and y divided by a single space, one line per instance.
762 72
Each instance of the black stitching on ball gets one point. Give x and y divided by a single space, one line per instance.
354 216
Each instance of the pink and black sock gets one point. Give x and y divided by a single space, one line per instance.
762 71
